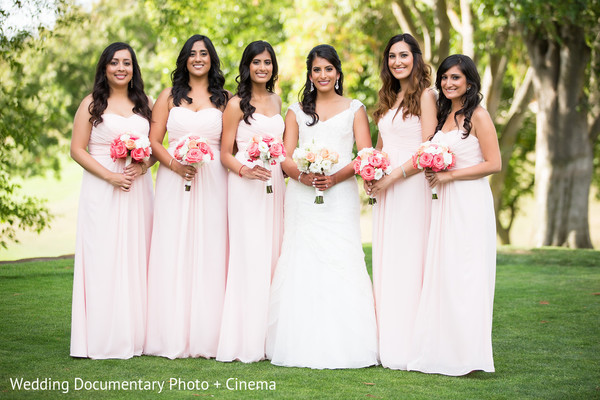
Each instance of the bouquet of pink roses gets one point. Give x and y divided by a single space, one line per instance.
130 146
315 159
267 149
434 156
372 165
193 150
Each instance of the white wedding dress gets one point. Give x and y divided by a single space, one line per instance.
321 309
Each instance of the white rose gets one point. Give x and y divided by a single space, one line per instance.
447 158
326 165
263 147
314 168
378 174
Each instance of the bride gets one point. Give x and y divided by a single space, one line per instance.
321 312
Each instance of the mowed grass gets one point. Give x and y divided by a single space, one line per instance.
546 343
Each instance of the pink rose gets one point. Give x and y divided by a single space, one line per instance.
310 157
437 163
253 150
325 154
204 148
368 173
118 149
267 139
277 150
130 144
138 154
147 151
192 144
375 161
356 165
385 162
425 160
193 156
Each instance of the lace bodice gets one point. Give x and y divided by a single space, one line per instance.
335 133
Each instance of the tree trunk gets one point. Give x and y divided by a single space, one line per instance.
564 158
508 138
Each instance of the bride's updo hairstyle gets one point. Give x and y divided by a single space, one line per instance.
308 98
470 99
244 89
181 76
101 91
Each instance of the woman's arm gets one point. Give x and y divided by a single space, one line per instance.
428 121
82 129
231 118
485 131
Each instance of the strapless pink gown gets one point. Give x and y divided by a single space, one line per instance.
111 253
453 329
400 227
255 234
188 258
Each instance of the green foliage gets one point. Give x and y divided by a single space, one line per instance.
519 180
27 142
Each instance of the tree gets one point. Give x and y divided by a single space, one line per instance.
559 38
26 148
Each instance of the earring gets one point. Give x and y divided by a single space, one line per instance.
469 88
312 87
337 84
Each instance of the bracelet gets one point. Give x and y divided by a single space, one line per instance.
171 162
300 176
403 172
240 170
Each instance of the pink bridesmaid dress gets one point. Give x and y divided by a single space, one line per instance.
400 227
111 253
188 257
255 234
453 329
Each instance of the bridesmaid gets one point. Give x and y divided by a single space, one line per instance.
453 328
115 214
406 117
188 258
255 216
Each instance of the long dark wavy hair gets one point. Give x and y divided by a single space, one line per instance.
470 99
420 80
181 76
308 98
244 89
101 90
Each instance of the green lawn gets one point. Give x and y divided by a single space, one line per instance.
546 343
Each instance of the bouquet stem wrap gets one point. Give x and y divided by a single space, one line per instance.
267 165
319 196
